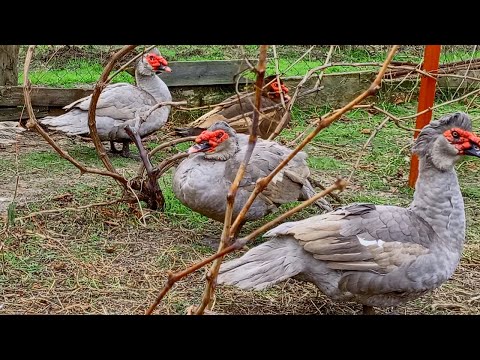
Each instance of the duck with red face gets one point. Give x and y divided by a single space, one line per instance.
238 112
120 105
375 255
203 180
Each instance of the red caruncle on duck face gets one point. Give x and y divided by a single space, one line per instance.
463 140
157 62
207 141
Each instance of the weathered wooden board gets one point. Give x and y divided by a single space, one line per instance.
14 113
201 73
41 96
184 73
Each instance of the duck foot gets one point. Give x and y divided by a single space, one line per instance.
113 149
127 154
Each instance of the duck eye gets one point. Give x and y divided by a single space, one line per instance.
455 134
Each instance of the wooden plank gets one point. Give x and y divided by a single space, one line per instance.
41 96
185 73
202 73
14 113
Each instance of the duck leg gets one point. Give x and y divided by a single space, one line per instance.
113 149
126 151
368 310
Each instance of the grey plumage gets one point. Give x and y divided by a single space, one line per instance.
202 181
119 105
375 255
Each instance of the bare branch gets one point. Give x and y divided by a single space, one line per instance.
238 244
229 231
364 147
163 146
79 208
32 123
128 63
252 140
101 84
262 183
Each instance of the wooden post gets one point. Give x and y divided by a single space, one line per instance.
8 64
426 99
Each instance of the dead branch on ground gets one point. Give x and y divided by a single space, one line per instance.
79 208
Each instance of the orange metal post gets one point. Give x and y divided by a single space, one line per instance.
426 98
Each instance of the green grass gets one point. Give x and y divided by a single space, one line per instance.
72 74
62 71
176 211
141 255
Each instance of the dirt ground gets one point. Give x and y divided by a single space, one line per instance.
104 260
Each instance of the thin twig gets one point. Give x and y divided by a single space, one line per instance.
101 84
252 140
128 63
394 118
238 244
32 123
160 104
364 147
83 207
263 182
169 162
141 168
440 105
466 72
173 278
327 60
277 74
298 60
340 185
318 184
471 102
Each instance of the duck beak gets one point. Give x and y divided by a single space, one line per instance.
163 68
203 146
473 151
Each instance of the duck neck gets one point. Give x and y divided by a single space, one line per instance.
224 151
154 86
439 202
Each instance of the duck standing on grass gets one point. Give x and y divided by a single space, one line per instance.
375 255
120 105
